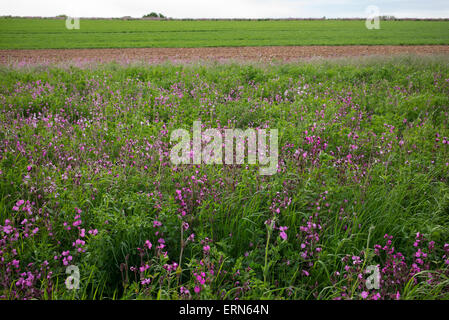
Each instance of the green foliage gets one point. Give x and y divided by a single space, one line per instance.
93 136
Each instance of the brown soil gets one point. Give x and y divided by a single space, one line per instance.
155 55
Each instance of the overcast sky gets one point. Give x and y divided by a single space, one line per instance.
225 8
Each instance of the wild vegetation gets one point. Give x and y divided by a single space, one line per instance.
362 181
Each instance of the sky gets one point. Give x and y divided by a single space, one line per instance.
226 8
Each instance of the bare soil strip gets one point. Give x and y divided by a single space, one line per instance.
158 55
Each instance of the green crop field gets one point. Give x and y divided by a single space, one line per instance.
52 33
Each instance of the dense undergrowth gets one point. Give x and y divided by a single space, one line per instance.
362 181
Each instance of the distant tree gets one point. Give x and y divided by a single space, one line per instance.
155 15
151 15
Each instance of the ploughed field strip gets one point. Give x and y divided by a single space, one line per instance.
155 55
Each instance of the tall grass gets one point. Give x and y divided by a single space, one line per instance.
362 155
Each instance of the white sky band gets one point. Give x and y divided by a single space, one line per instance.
226 8
186 151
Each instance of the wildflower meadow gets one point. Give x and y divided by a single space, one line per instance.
357 207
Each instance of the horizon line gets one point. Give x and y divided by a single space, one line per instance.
62 16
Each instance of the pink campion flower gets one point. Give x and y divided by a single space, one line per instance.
148 244
82 233
18 205
197 289
15 263
7 229
282 234
364 294
78 242
376 296
143 268
161 243
206 249
29 168
183 290
93 232
156 224
77 223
